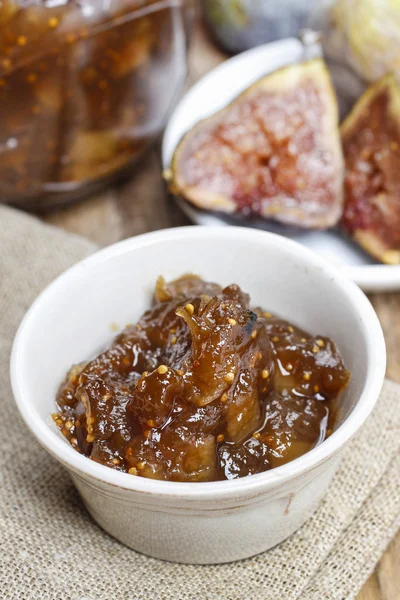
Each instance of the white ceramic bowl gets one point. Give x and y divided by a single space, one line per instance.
196 522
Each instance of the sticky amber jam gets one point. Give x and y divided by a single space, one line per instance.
202 388
84 88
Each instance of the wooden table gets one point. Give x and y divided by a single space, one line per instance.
141 205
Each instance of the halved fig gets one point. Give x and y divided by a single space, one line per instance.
371 146
273 152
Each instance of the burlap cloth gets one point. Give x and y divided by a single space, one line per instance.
51 548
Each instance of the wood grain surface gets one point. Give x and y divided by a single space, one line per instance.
141 205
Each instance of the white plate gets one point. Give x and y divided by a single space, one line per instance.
216 90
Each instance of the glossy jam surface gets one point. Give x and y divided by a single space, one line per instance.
202 388
84 87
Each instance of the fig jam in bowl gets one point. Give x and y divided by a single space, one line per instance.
204 476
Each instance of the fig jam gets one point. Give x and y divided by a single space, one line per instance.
84 88
202 388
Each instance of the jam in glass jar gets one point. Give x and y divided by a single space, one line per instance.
85 86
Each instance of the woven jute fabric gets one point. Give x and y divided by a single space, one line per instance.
51 548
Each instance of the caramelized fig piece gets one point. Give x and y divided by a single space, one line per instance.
102 425
184 287
371 146
99 392
243 414
243 410
131 352
274 152
152 399
233 292
312 366
160 325
221 332
253 455
190 457
292 426
66 392
199 462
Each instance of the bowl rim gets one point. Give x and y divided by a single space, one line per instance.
226 489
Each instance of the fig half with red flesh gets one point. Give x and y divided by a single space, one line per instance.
371 146
273 152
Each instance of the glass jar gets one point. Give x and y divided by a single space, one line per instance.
85 86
